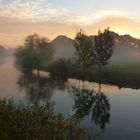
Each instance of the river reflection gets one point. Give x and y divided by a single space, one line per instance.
89 101
113 110
38 89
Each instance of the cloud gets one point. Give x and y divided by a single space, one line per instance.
27 10
112 13
30 16
13 32
41 10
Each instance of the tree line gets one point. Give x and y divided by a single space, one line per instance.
37 52
88 53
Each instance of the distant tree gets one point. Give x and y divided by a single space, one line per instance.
60 69
103 48
2 50
83 46
35 54
25 59
2 54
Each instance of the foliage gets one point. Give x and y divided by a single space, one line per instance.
83 47
103 47
35 54
114 74
22 122
25 59
60 69
2 50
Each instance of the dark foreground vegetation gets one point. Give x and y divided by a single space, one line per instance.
40 122
20 122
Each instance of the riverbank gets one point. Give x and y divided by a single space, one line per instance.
122 75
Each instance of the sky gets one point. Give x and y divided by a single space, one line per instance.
50 18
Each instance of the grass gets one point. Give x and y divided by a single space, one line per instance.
123 75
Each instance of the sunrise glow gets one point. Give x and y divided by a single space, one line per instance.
50 18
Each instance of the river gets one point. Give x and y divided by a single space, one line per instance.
122 118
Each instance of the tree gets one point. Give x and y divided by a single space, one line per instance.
29 122
60 69
35 54
83 46
103 48
2 50
2 54
25 59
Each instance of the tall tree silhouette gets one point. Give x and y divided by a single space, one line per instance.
83 46
103 48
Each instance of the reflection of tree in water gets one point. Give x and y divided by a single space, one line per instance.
100 110
87 101
84 100
37 88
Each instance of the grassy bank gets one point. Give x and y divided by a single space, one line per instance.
127 75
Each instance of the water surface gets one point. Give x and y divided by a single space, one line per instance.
122 120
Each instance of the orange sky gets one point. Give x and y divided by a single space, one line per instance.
13 32
50 18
